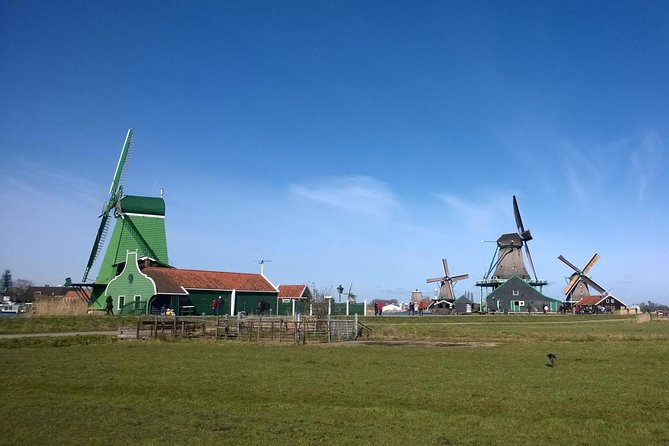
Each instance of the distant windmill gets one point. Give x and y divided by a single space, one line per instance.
509 255
447 282
579 281
351 296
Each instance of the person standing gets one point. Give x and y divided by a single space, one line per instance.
219 308
110 306
214 306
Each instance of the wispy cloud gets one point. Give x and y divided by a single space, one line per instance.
646 159
480 214
359 195
589 167
581 169
40 183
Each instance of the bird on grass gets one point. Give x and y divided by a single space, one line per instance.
551 359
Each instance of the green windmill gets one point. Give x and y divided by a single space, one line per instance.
139 227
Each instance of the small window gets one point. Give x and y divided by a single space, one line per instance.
137 302
516 293
121 302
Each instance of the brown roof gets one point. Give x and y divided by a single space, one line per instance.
590 300
291 291
596 300
176 281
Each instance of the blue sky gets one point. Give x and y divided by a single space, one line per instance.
348 142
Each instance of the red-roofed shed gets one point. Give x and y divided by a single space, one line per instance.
604 303
293 299
196 290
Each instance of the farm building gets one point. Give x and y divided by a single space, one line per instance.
36 292
463 305
604 303
515 295
293 299
140 289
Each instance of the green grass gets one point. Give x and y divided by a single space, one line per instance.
61 324
609 387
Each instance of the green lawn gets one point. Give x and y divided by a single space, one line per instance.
609 386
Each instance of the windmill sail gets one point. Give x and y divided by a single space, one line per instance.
581 277
115 193
524 234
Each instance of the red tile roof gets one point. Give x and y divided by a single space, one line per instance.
291 291
174 281
590 300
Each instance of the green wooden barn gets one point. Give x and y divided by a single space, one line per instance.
141 287
515 295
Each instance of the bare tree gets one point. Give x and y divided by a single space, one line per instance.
19 290
320 300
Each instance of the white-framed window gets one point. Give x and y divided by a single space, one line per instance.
137 302
521 303
516 293
121 302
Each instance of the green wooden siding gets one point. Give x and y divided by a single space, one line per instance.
200 300
248 301
143 234
130 283
286 308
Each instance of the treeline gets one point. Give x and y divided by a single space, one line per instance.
651 307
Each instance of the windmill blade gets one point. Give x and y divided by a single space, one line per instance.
516 213
459 277
445 263
436 279
594 284
97 244
571 284
119 174
568 263
529 257
525 235
592 261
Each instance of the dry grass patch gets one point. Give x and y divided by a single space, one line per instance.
58 307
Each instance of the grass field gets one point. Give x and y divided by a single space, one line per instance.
610 386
